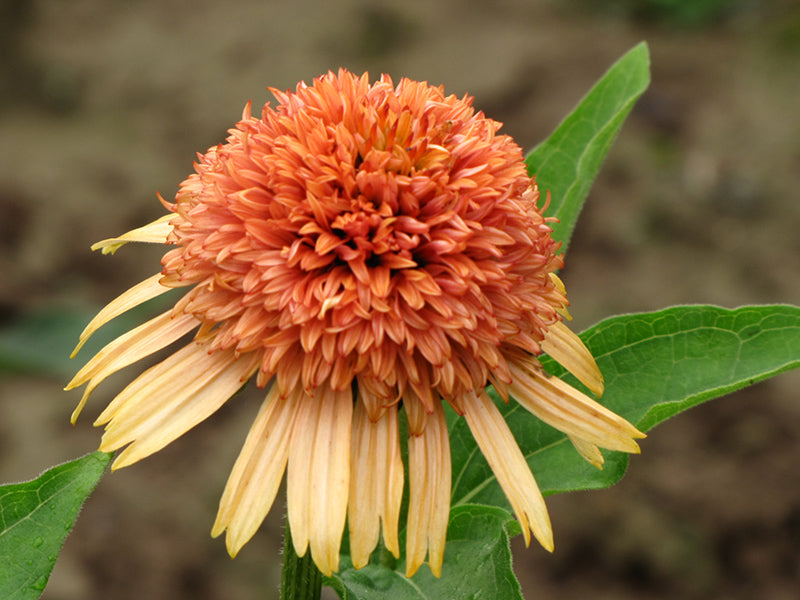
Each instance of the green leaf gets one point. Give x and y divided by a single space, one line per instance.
656 365
477 563
35 519
567 162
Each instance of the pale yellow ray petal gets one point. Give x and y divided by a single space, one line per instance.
175 416
394 478
330 466
138 294
376 483
136 344
154 233
256 476
566 348
319 475
363 508
570 410
588 451
298 477
509 466
429 474
177 376
418 508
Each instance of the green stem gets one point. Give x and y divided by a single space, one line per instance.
300 578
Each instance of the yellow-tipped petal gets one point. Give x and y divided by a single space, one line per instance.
138 294
319 476
562 310
376 484
566 348
256 476
570 410
429 494
154 233
509 466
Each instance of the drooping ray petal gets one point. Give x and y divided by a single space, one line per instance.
180 373
376 483
135 345
154 233
178 412
319 476
170 398
138 294
429 488
566 348
509 466
138 343
573 412
256 476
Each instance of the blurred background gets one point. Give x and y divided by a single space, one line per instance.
102 104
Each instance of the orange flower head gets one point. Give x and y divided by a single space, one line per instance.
362 247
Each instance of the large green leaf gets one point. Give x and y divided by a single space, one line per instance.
477 563
35 519
567 162
656 365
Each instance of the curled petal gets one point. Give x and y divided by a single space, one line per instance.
154 233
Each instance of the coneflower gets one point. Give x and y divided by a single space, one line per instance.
358 249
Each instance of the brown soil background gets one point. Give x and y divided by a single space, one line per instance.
103 104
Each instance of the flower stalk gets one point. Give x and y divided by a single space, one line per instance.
300 578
